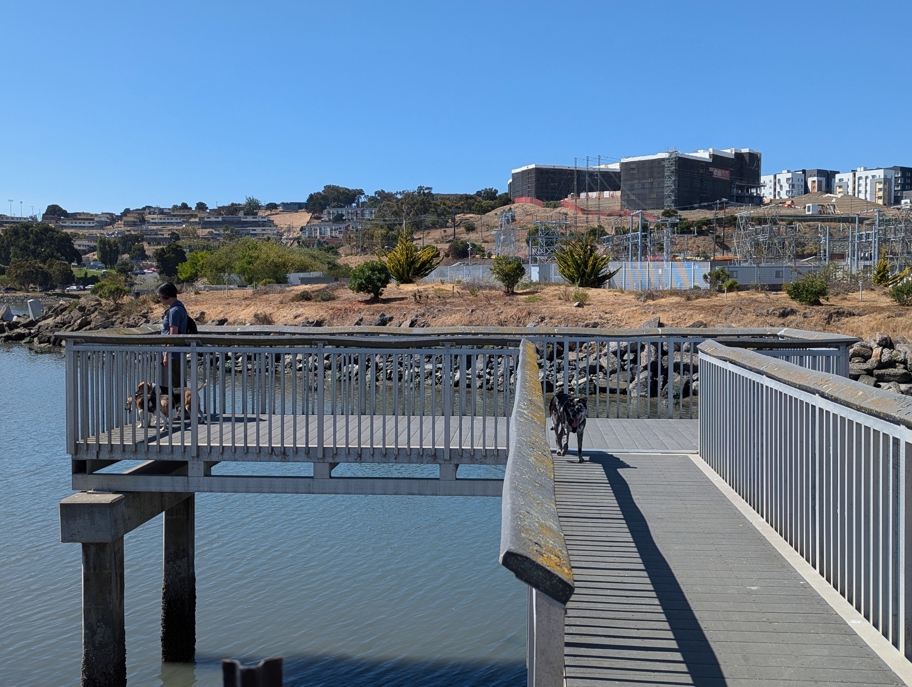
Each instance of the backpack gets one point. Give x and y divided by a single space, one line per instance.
191 325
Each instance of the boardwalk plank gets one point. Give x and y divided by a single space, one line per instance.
674 586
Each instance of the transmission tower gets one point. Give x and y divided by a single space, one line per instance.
505 234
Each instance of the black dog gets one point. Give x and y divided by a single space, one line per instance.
568 414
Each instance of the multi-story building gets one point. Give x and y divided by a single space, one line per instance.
819 180
874 185
785 184
686 180
555 182
349 214
902 183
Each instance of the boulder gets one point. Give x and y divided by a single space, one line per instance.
905 389
383 319
860 350
883 340
6 315
891 386
696 324
893 374
856 370
867 379
652 323
782 312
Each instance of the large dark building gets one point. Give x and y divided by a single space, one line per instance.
688 180
902 183
819 180
551 182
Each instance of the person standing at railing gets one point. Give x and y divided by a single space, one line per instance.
174 322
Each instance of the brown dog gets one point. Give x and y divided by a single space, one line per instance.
151 400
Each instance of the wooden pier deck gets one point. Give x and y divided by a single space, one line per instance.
675 586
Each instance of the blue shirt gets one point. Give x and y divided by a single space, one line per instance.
175 316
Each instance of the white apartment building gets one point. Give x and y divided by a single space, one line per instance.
786 184
874 185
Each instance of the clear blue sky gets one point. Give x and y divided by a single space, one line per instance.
112 104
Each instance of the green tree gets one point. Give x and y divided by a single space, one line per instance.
881 275
108 251
809 290
251 206
508 271
127 241
487 194
123 268
406 262
138 252
901 293
370 277
192 269
716 278
332 197
580 263
469 227
25 273
61 273
201 207
54 210
36 241
259 262
167 258
269 207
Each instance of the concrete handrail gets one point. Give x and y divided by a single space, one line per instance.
532 545
880 403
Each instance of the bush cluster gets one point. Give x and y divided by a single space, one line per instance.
811 289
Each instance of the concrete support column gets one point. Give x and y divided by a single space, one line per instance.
104 643
448 471
178 633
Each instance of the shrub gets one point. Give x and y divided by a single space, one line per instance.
508 272
406 262
370 277
902 293
717 278
811 289
262 318
580 263
320 295
731 285
468 226
110 290
580 296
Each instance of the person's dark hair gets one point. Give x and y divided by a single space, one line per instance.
167 290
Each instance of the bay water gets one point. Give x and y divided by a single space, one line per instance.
349 590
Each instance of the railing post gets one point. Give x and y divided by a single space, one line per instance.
545 653
321 411
447 399
71 397
194 403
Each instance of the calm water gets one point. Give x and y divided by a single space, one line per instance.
349 590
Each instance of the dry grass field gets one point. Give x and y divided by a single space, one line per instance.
437 305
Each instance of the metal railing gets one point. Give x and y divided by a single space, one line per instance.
532 545
824 460
265 399
374 395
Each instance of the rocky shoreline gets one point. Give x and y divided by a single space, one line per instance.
883 361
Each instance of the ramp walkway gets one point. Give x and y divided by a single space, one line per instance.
674 586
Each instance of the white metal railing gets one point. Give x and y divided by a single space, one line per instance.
314 400
378 395
824 460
